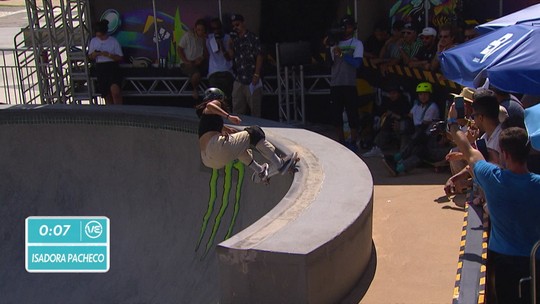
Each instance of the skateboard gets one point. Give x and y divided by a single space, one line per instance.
289 167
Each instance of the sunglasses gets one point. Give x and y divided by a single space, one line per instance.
444 36
406 33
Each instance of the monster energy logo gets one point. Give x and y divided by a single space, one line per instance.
227 187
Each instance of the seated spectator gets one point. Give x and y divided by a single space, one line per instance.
513 211
447 39
375 42
423 144
427 52
107 53
393 110
192 52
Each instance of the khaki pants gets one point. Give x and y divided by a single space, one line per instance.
244 102
221 150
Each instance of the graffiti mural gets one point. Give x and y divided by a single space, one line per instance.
440 11
227 188
141 30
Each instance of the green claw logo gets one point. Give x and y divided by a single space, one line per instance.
227 187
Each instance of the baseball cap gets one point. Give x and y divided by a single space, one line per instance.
409 27
237 17
429 31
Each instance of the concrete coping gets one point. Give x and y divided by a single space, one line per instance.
313 246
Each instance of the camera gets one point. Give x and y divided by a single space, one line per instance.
438 127
334 36
233 35
218 35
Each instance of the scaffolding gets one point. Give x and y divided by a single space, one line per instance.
55 41
290 60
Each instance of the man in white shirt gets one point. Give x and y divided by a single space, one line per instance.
192 52
220 65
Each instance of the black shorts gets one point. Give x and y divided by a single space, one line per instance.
107 73
344 97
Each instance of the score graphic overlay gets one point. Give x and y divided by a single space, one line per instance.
67 244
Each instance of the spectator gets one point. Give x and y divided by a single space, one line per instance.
410 44
192 52
390 49
248 61
447 39
393 110
486 112
107 52
427 52
423 114
220 72
511 103
513 213
376 41
347 57
469 32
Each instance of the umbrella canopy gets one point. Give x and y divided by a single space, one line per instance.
507 56
526 16
532 122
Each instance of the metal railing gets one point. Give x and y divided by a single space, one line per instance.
19 83
532 277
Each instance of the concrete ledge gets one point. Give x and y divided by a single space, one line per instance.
314 246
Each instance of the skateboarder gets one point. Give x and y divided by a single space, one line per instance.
221 144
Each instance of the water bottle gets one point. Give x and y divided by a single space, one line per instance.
346 129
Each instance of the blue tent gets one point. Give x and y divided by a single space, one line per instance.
529 15
507 56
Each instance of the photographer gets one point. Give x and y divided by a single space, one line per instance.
346 52
220 72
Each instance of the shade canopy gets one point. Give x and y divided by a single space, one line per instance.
507 56
529 15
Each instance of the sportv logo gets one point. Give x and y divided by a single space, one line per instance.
493 47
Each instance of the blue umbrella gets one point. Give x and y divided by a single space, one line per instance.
525 16
532 122
508 57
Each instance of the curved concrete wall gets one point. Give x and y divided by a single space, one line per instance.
305 239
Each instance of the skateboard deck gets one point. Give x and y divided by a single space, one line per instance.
290 167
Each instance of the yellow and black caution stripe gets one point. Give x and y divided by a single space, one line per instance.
461 254
475 270
414 73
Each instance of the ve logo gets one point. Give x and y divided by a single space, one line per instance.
93 229
493 47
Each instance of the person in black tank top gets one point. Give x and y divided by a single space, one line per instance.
221 144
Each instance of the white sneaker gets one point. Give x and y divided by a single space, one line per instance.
374 152
261 177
